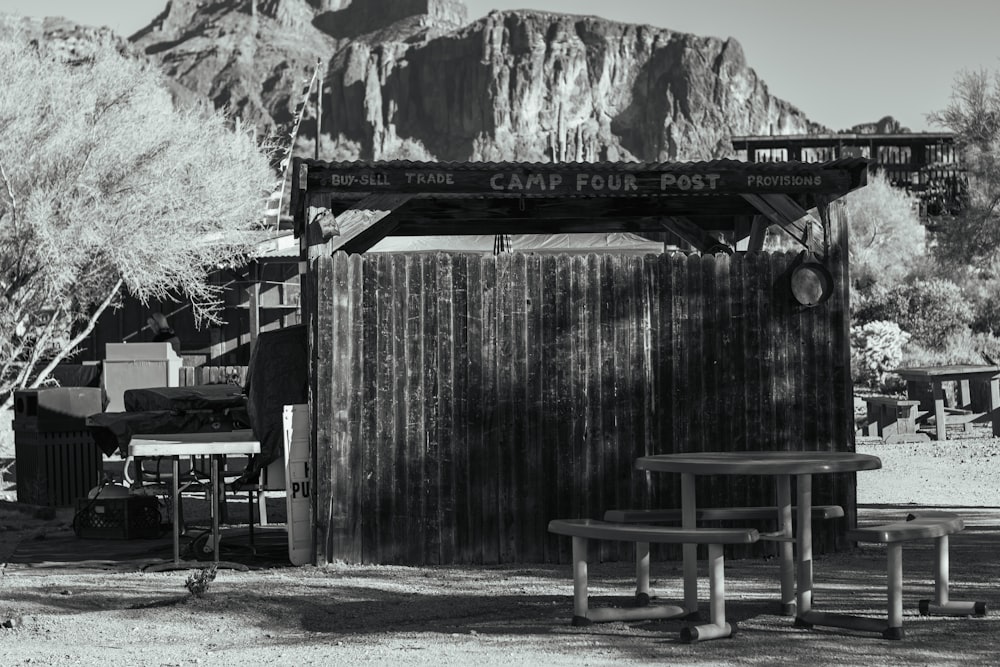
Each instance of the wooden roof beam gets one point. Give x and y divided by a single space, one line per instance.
785 212
694 234
357 228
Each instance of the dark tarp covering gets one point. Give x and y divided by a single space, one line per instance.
113 430
77 375
205 408
202 397
278 375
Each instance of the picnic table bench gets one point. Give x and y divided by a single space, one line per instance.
582 530
894 419
917 526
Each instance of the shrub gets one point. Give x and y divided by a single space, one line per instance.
986 315
886 236
876 350
965 348
932 310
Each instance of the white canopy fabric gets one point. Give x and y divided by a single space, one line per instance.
616 242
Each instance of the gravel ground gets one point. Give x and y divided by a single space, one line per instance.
52 614
961 472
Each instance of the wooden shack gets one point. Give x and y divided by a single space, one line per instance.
260 296
461 401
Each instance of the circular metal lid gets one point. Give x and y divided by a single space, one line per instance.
812 283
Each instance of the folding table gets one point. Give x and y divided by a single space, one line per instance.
211 445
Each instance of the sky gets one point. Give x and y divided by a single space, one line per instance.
841 63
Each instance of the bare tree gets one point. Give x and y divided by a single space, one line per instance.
105 186
974 116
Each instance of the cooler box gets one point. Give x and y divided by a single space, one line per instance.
137 366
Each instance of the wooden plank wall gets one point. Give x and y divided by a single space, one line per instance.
463 401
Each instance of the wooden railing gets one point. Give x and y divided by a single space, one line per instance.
196 375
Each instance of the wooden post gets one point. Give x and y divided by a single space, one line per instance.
742 226
941 426
254 302
319 107
758 233
839 226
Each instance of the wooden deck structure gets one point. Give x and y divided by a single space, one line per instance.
261 296
926 164
461 401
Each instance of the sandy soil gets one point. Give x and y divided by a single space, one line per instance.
511 615
519 615
964 472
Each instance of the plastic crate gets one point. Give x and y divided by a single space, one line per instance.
135 517
55 468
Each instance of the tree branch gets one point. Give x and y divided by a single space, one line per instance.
37 347
71 345
10 195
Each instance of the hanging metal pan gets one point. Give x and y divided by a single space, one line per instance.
811 281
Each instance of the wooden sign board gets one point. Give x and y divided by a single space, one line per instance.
707 178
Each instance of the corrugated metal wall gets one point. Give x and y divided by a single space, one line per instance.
464 401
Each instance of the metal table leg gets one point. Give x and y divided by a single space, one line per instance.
690 551
784 493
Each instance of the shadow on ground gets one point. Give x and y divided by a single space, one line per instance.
528 608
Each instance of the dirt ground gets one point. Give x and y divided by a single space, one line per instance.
100 612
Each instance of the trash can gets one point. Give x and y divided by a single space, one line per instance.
56 458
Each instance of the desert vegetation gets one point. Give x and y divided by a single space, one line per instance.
105 187
928 298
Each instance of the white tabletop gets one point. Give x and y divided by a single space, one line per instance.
194 444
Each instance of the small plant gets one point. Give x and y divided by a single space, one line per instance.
197 582
876 351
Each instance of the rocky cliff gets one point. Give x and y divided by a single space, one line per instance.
63 39
74 43
884 125
413 79
540 86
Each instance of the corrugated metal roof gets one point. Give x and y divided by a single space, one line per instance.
284 245
841 163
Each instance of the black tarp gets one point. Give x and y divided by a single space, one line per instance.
278 375
201 397
77 375
113 430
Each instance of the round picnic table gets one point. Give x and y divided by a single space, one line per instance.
782 466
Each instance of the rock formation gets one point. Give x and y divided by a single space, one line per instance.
541 86
74 43
884 125
63 39
411 79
